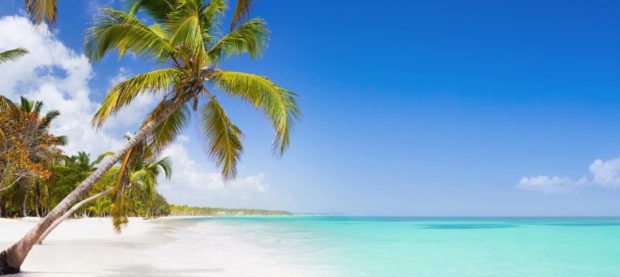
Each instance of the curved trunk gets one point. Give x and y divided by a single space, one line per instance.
12 258
72 210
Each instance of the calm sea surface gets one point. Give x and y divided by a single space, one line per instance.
393 246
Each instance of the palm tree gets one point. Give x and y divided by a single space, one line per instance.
68 172
185 42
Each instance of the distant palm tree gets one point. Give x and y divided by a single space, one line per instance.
32 187
36 141
142 178
186 39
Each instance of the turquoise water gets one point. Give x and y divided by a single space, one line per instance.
390 246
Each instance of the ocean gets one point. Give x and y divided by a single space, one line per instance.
405 246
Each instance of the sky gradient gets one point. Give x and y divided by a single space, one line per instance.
423 108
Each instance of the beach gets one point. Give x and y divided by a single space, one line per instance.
325 246
161 247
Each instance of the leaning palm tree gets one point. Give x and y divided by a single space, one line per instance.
185 42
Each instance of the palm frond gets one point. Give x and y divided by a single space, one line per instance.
11 55
118 30
25 105
6 103
48 118
250 38
242 10
157 9
101 157
186 30
166 165
37 106
278 104
126 91
166 132
213 10
211 20
120 203
60 140
41 11
222 137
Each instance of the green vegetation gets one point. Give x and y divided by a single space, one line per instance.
184 210
37 175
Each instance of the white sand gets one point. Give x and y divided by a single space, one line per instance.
90 247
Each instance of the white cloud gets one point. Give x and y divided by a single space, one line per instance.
129 117
192 178
603 174
546 184
58 76
606 173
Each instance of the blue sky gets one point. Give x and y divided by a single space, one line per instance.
420 107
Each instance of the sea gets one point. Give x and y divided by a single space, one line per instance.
419 246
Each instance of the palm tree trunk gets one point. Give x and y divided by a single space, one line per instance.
24 211
12 258
72 210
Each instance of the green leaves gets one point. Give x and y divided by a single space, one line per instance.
125 32
124 92
213 10
222 137
278 104
242 10
250 38
11 55
167 131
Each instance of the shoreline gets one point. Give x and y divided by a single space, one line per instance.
158 247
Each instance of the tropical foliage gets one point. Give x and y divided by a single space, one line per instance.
184 210
26 149
37 175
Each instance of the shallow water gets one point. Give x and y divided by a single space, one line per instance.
400 246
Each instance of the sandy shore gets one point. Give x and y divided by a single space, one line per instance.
90 247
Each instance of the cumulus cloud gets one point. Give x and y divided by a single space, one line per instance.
56 75
191 177
606 173
602 174
130 117
546 184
